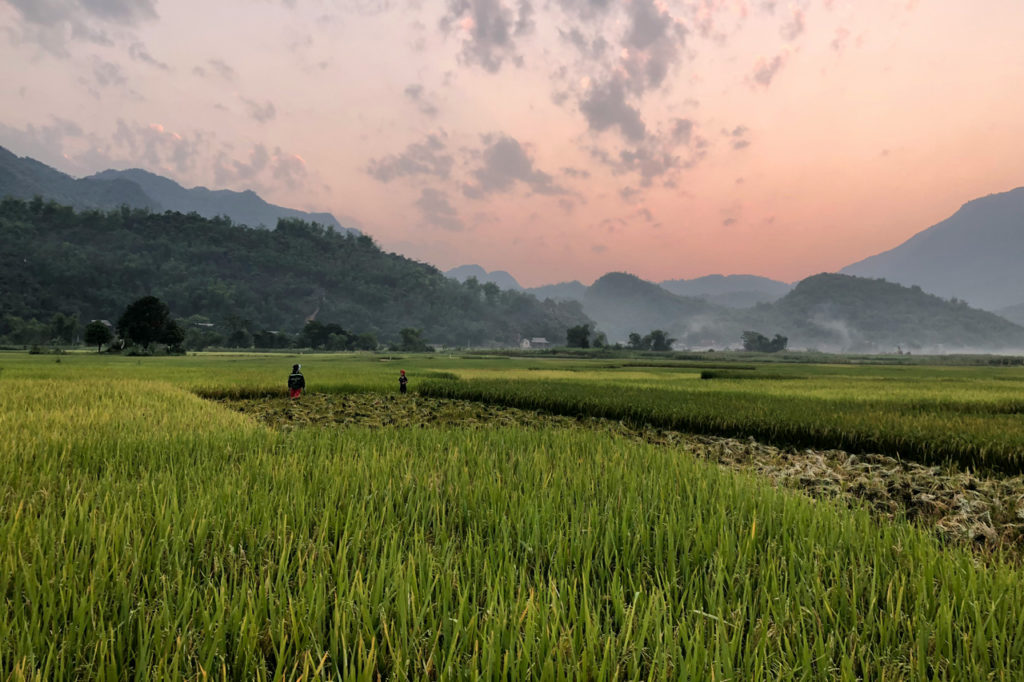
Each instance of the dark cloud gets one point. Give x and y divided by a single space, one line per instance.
232 172
127 12
617 78
653 44
575 173
506 163
658 155
792 29
222 69
57 12
65 145
682 130
261 170
437 210
44 142
139 53
650 162
154 146
107 74
765 70
421 158
260 112
417 94
586 9
288 169
53 23
491 29
524 21
593 48
648 24
737 137
605 106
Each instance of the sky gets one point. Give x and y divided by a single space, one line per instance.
554 139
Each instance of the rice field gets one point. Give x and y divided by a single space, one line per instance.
149 532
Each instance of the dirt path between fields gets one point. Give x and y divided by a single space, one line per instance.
985 512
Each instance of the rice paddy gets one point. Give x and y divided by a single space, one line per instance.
174 518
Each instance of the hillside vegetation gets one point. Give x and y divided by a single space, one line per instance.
840 311
92 264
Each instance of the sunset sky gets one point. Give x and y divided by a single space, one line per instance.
555 139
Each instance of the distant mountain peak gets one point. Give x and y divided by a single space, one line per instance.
500 277
973 255
24 178
244 207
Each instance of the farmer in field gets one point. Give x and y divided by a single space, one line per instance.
402 381
296 382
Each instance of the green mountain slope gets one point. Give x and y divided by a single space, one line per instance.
621 303
92 264
841 312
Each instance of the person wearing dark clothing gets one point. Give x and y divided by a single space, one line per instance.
296 382
402 381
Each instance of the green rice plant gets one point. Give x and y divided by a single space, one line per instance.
146 533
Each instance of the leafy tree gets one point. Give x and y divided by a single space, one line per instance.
63 327
491 292
659 340
272 339
97 334
578 336
173 336
198 339
365 341
240 338
144 321
759 343
412 341
637 342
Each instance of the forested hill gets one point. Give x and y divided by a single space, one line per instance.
839 311
92 264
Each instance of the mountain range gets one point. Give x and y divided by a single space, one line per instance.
829 312
919 295
732 291
25 178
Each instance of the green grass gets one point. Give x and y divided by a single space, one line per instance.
148 534
970 417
